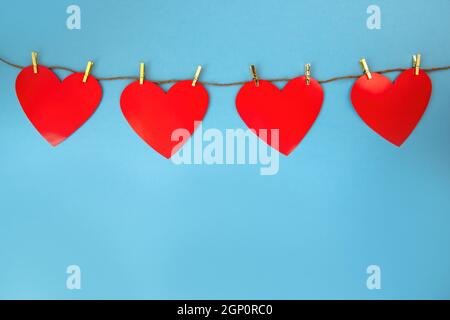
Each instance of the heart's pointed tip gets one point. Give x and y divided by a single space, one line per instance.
287 151
396 143
165 154
54 143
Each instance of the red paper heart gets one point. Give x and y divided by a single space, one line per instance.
154 114
392 110
292 110
56 109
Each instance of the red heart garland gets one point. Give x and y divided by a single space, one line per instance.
292 110
154 114
392 110
57 109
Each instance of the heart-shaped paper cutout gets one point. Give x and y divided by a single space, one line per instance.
156 115
57 109
292 110
392 110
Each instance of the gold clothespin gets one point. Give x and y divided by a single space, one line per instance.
88 70
365 68
254 74
416 64
197 75
34 61
308 73
141 73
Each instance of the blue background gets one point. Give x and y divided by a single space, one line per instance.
141 227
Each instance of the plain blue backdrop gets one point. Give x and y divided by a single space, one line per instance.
141 227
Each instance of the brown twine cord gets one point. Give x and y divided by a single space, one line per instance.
218 84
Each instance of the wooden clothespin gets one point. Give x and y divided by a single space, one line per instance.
34 59
141 73
416 64
88 70
308 74
254 74
365 68
197 75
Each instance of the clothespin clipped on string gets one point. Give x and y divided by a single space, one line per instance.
254 74
87 71
365 68
141 73
416 64
197 75
308 74
34 61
